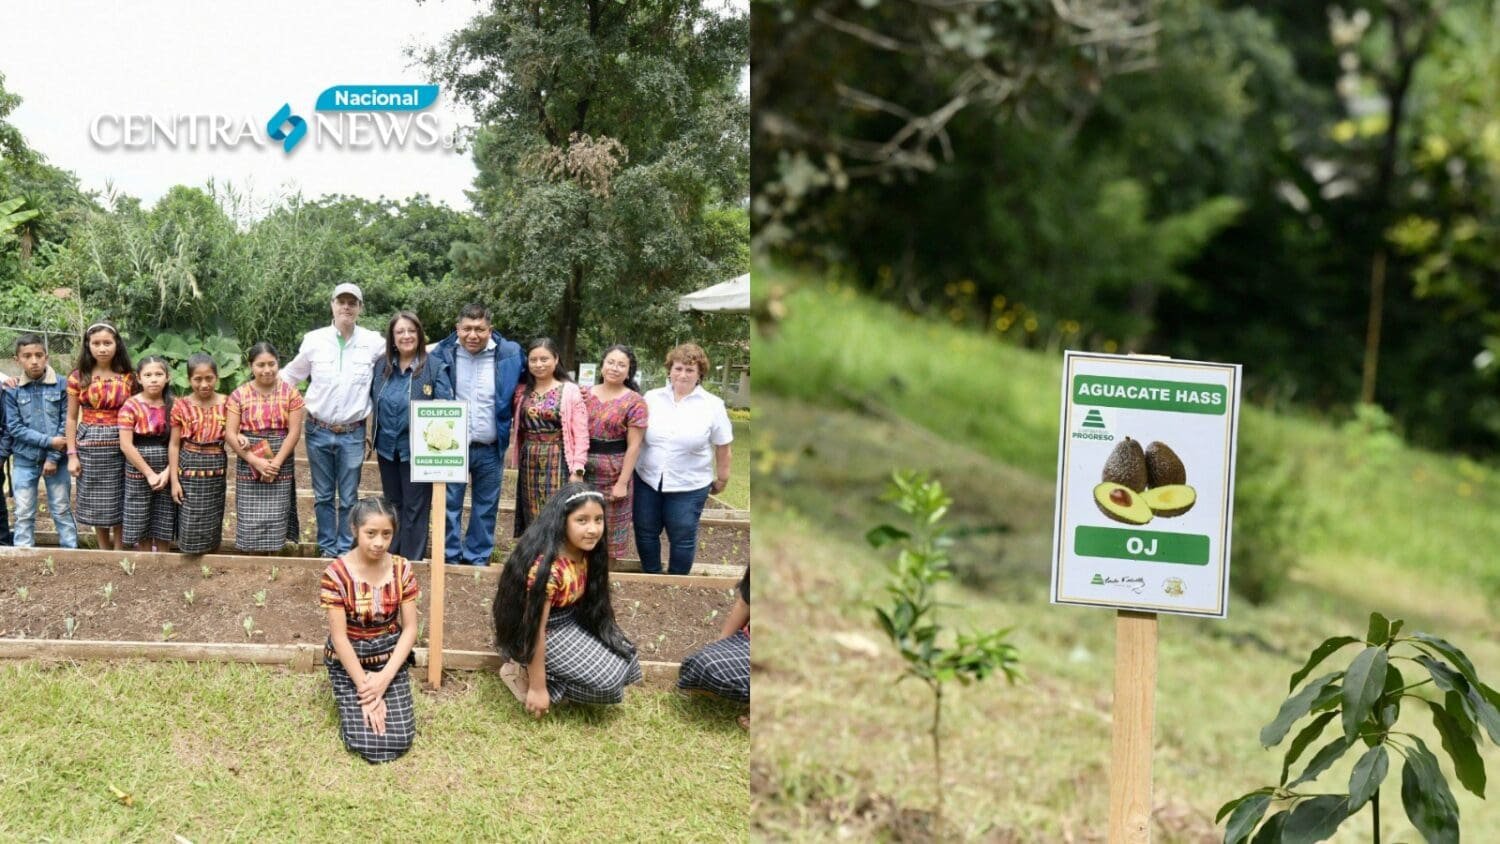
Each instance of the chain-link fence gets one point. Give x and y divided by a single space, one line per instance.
62 348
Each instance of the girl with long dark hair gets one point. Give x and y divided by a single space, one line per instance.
98 387
554 623
145 431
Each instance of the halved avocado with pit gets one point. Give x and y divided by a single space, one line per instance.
1121 503
1171 500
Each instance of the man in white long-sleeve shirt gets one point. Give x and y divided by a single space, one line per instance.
340 361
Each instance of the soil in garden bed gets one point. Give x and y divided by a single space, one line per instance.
666 621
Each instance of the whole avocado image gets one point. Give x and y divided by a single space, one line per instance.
1141 484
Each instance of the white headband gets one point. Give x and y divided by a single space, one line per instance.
99 325
586 494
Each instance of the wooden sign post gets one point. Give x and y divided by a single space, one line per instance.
435 600
439 432
1145 500
1134 725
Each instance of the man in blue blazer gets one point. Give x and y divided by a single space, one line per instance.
485 368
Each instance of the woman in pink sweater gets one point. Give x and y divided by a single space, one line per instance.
551 430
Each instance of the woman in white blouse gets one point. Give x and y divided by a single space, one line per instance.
685 458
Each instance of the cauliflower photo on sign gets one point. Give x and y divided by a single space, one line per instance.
439 436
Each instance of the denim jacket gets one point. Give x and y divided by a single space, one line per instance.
34 413
432 382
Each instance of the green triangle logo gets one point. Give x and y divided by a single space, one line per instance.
1098 579
1094 420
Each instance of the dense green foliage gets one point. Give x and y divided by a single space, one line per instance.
1236 189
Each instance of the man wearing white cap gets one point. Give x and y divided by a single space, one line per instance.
340 361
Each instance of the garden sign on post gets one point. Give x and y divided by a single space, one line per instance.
439 442
1145 501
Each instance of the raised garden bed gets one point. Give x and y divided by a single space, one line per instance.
666 617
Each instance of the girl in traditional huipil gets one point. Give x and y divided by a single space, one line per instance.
371 599
198 461
554 623
97 387
551 429
617 425
262 422
145 430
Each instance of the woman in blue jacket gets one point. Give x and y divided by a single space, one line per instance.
406 374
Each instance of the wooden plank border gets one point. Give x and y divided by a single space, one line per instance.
705 574
304 658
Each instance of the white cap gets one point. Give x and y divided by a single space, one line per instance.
351 288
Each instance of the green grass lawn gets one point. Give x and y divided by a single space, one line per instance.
737 494
840 751
218 752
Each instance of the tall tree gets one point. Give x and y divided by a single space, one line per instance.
609 136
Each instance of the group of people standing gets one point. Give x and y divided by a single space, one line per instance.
592 463
152 468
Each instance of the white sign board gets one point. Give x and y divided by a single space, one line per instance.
1145 484
439 436
586 374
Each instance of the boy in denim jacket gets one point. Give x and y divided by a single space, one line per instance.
33 413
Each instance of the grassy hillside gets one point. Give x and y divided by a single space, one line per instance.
839 750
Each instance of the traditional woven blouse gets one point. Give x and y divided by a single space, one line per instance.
609 420
369 610
201 425
102 397
264 413
142 419
567 582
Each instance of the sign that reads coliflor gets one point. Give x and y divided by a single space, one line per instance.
1145 484
439 440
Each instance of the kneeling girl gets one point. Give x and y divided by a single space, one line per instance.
554 624
371 598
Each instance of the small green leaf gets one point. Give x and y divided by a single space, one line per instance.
1322 760
1380 629
1307 736
1445 678
1425 796
884 535
1449 652
1235 803
1270 833
1245 816
1461 749
1293 708
1362 685
1459 709
1369 772
1485 713
1315 819
1319 654
1396 627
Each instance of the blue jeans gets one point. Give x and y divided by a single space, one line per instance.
335 461
486 468
24 475
679 513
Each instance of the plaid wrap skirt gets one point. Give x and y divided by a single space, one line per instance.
265 514
101 481
200 519
581 668
149 514
400 718
602 472
541 471
722 668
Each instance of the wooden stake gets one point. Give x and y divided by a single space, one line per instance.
1134 717
435 593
